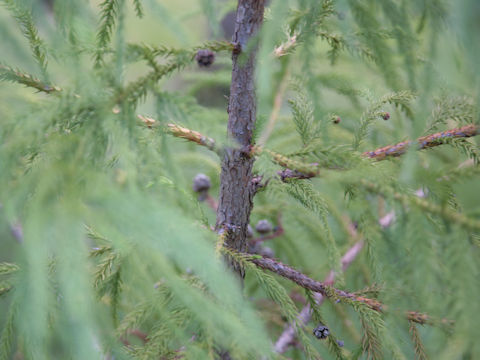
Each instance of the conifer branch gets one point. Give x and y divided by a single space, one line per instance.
138 8
310 284
423 204
150 52
286 47
423 142
8 268
326 290
191 135
295 169
25 21
288 334
298 167
420 353
136 90
16 76
108 19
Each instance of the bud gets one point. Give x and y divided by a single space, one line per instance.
205 57
263 227
321 332
385 115
201 185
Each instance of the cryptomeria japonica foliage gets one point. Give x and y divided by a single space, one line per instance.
239 179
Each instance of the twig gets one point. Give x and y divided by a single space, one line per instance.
459 218
277 103
210 200
137 333
288 335
423 142
14 75
295 169
310 284
191 135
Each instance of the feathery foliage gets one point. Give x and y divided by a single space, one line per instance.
29 30
108 251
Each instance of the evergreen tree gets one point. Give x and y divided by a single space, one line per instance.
322 204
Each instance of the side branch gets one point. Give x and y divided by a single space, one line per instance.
300 170
456 217
14 75
190 135
310 284
289 333
328 291
423 142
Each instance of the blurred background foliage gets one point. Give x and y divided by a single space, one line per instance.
98 214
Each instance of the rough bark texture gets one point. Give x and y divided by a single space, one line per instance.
236 195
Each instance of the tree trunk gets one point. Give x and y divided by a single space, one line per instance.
236 192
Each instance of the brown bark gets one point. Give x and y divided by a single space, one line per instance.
236 194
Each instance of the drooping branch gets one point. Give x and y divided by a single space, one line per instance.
327 291
289 333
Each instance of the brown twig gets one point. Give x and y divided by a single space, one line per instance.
310 284
191 135
210 200
137 333
288 335
295 169
277 103
423 142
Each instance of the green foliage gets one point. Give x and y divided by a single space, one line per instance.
461 110
420 353
313 201
107 252
375 112
30 32
108 16
303 117
18 76
332 341
138 8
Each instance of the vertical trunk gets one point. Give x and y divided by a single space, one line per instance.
236 195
